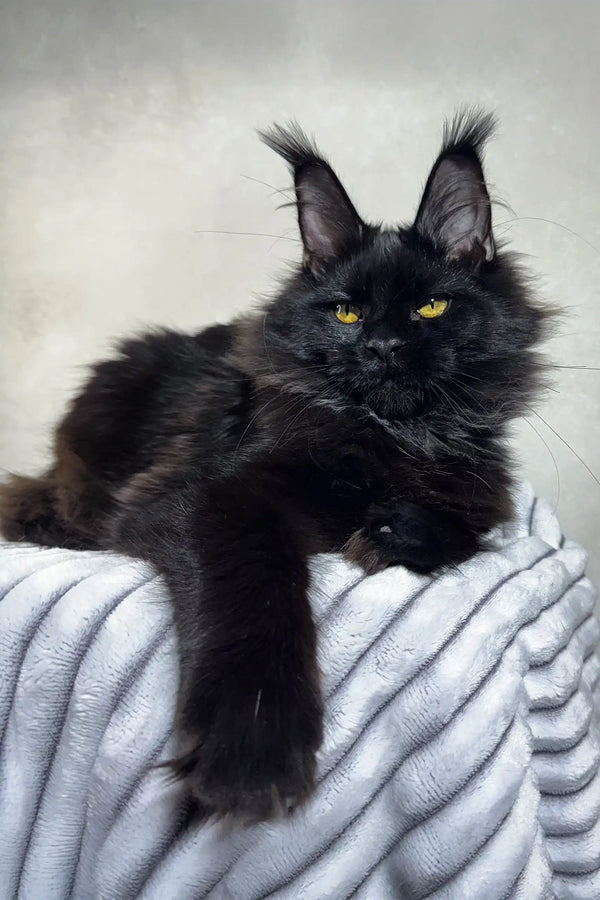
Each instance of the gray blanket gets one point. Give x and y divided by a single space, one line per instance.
461 746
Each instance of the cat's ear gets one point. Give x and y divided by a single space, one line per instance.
329 224
455 210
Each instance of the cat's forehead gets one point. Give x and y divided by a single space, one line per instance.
391 262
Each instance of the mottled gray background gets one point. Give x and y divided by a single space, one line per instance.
127 131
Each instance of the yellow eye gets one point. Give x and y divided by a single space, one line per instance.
348 313
434 308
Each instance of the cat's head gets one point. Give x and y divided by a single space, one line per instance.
407 320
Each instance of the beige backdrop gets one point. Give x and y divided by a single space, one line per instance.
127 132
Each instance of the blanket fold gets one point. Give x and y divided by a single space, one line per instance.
461 750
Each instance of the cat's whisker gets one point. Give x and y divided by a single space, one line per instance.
584 368
516 219
567 445
472 377
295 402
253 420
459 411
446 396
556 469
481 478
275 242
471 393
285 192
280 237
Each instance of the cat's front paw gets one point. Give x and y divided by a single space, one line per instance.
405 534
250 754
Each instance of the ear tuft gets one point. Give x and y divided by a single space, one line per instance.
291 143
329 224
455 210
470 129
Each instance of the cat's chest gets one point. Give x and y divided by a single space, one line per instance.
328 452
354 461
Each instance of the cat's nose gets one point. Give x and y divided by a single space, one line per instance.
384 348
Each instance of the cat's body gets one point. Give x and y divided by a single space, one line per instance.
349 415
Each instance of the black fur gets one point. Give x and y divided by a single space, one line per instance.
226 458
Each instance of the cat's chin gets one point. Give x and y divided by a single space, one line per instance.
392 402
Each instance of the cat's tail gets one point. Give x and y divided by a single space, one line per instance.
29 511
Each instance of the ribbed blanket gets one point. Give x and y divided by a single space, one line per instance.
461 746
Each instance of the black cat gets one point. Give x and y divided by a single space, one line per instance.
362 411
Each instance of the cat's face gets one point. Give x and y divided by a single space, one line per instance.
407 320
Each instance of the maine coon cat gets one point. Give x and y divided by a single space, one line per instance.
362 411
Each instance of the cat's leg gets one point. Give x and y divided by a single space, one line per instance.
249 711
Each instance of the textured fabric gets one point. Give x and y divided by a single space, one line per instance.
461 746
